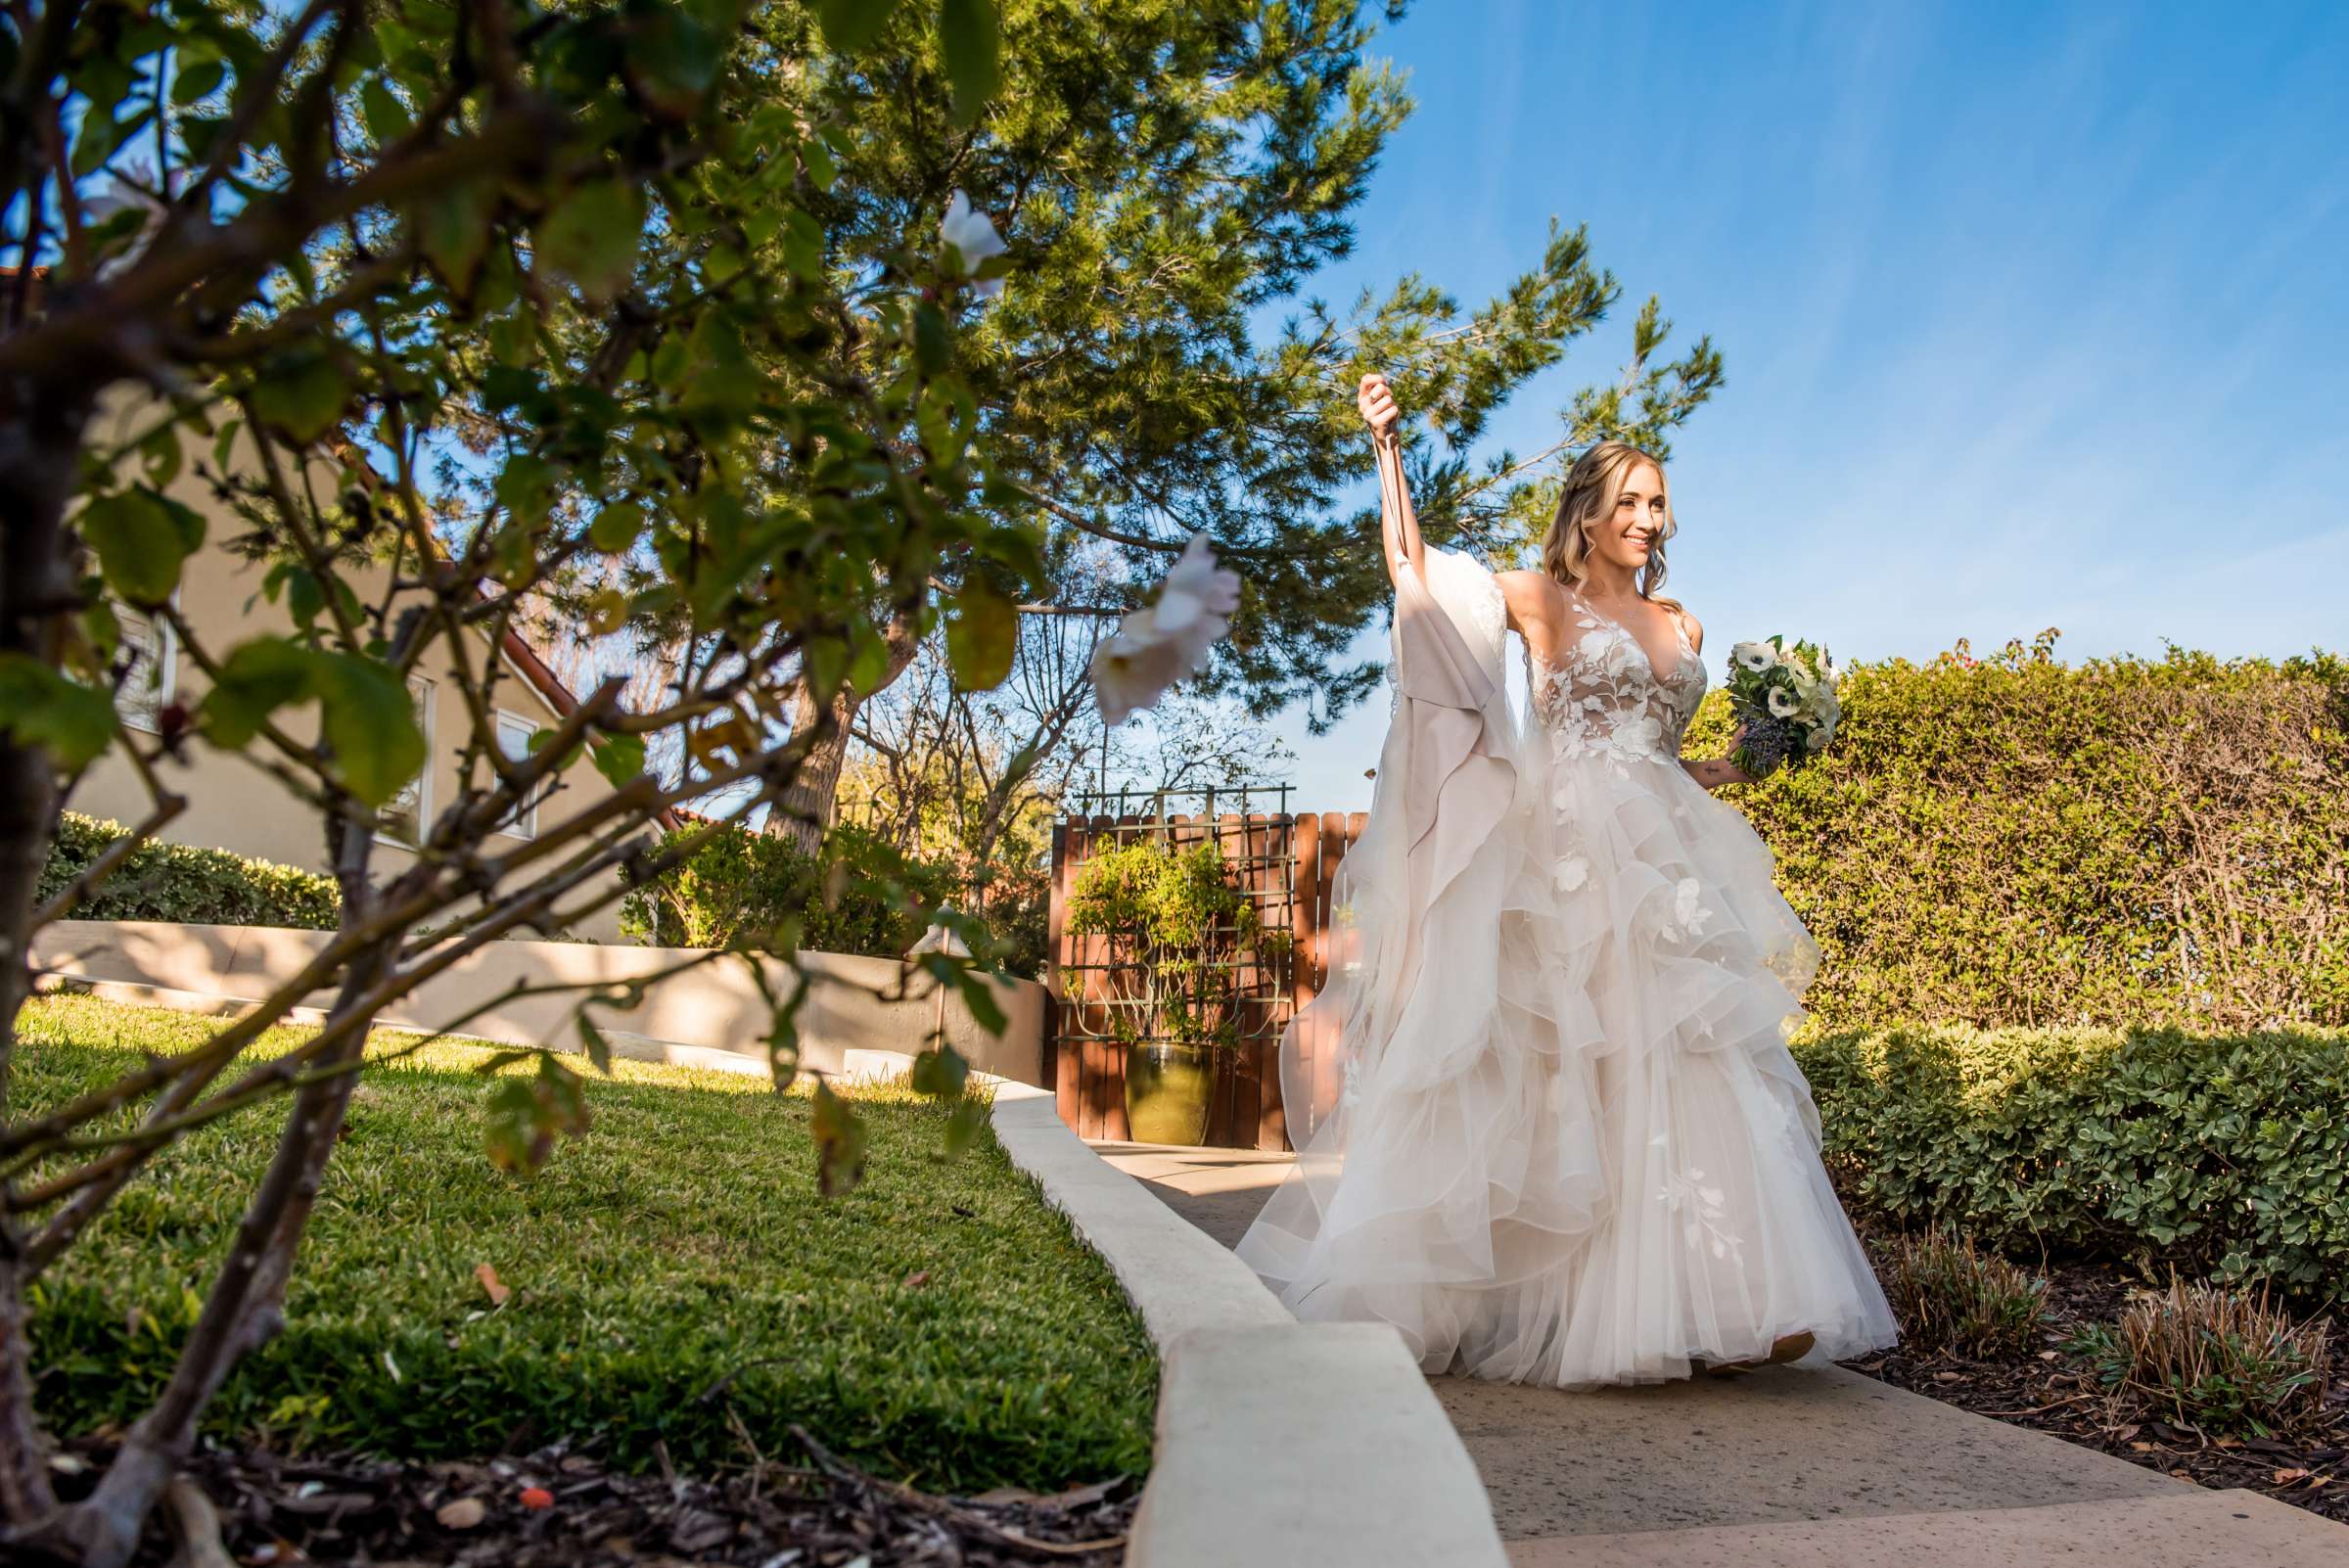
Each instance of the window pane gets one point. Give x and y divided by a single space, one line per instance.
141 695
403 817
514 735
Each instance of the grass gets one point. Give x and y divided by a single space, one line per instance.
670 1265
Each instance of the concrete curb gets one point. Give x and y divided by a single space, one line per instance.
1278 1443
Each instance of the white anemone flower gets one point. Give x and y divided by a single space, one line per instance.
1754 656
1161 643
1784 703
974 238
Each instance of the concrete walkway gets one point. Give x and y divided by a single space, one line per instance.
1819 1467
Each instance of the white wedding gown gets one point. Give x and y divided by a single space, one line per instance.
1546 1122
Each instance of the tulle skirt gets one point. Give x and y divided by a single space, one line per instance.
1587 1156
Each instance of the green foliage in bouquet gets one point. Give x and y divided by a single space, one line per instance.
1784 700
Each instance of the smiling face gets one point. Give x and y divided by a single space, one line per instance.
1613 512
1628 534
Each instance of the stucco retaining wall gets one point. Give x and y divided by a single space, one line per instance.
862 1015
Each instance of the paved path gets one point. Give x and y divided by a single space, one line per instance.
1820 1468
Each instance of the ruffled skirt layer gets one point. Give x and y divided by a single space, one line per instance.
1588 1157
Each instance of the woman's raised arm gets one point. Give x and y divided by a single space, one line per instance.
1398 524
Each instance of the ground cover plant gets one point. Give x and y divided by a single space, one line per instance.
672 1274
2213 1384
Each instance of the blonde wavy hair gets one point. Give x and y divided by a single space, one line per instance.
1592 486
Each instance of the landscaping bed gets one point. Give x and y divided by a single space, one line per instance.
558 1510
670 1293
2053 1380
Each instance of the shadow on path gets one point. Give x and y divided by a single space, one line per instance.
1807 1465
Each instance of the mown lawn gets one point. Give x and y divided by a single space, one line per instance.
673 1263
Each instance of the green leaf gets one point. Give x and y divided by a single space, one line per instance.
982 633
673 62
823 171
597 1047
840 1142
511 1134
852 24
41 708
868 663
370 722
388 119
615 526
196 80
99 134
940 1072
967 32
257 679
963 1127
979 998
302 394
452 227
620 759
593 234
141 540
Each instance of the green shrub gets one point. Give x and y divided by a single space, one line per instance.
2223 1155
179 882
1949 1295
1180 936
2021 843
858 896
2225 1363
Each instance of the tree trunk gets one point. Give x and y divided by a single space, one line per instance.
40 444
243 1309
804 815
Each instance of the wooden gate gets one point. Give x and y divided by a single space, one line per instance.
1283 861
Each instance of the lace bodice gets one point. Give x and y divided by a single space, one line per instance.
1604 699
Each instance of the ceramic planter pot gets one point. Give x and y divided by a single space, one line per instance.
1167 1091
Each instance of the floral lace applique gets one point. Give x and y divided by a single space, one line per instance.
1603 699
1688 917
1704 1221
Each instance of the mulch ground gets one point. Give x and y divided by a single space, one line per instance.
2059 1394
560 1507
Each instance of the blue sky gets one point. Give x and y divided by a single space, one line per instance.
2031 315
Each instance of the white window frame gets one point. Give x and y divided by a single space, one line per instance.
419 687
524 823
162 648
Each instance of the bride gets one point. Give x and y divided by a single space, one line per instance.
1545 1120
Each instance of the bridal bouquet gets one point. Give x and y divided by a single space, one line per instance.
1784 696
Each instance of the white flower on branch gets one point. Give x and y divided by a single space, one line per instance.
974 239
1159 644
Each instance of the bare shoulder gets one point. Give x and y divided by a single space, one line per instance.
1532 599
1696 632
1530 594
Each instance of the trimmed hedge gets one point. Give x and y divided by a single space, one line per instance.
858 896
180 882
2125 843
2225 1155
